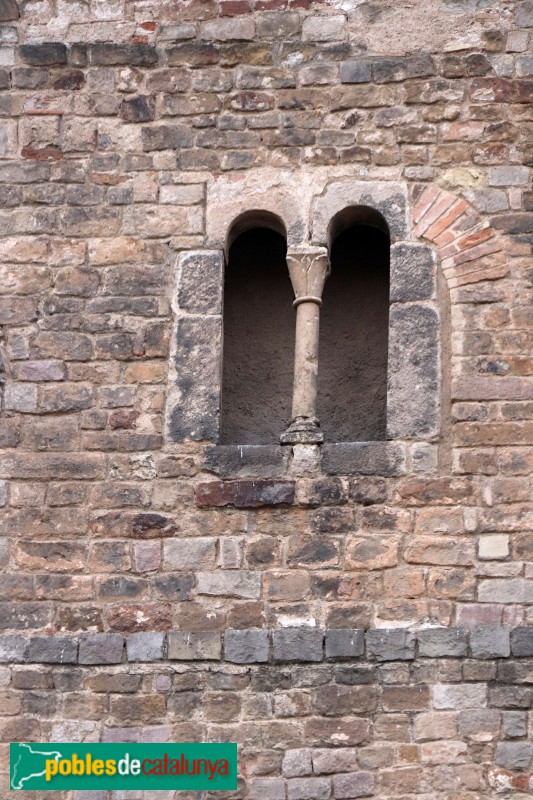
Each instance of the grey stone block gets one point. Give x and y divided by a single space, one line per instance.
201 646
308 788
412 272
249 460
345 643
42 55
514 755
200 282
298 644
353 784
53 650
490 641
522 642
413 371
391 645
356 71
366 458
145 646
442 642
246 647
514 724
13 649
101 648
196 414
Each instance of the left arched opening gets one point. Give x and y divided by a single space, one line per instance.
258 350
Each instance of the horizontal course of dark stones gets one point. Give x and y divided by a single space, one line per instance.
285 645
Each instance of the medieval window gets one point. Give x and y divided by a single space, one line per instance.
258 333
354 328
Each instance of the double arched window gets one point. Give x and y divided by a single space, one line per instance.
259 330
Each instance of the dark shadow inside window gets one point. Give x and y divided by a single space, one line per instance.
352 372
258 353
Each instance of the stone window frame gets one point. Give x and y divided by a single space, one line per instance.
413 430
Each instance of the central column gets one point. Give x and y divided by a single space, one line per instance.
308 269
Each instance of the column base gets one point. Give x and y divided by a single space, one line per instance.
302 431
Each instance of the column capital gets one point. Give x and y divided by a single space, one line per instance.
308 270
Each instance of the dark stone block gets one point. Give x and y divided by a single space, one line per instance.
412 272
514 755
442 642
490 641
43 55
298 644
522 641
101 648
138 109
196 415
367 458
167 137
390 70
137 55
514 223
414 371
460 66
245 494
344 643
325 492
200 282
355 676
263 461
246 647
53 650
8 10
13 649
391 645
357 71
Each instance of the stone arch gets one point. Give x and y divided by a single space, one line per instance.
258 332
352 375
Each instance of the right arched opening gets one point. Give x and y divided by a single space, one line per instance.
354 325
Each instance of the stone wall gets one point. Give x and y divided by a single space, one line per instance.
357 615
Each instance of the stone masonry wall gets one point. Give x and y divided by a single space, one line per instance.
357 616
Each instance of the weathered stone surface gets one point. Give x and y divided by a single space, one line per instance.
200 280
145 646
235 461
442 642
391 645
42 55
514 755
367 458
53 650
195 415
298 644
232 583
413 273
101 648
8 10
490 641
202 646
356 71
246 647
413 371
522 642
245 494
13 649
344 643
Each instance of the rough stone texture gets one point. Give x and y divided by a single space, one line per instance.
101 648
133 139
367 458
298 644
344 643
246 647
194 646
391 645
245 494
413 371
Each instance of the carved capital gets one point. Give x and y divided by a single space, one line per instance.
308 270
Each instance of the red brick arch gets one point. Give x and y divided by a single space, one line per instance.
469 249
